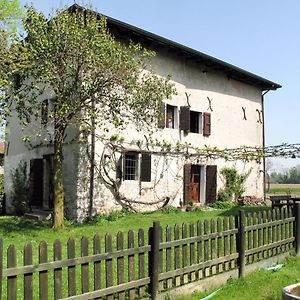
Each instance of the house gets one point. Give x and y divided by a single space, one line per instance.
217 105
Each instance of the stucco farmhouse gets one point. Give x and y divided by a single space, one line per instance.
217 105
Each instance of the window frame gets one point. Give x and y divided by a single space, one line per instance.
197 119
131 176
171 122
142 166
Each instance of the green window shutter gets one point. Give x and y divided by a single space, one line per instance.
206 124
119 173
162 116
146 167
185 118
186 182
211 184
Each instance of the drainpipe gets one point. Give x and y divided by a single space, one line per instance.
92 161
264 141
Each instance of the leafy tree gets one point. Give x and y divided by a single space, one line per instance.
291 175
95 79
10 14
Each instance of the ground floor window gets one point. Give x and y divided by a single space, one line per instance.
130 166
137 166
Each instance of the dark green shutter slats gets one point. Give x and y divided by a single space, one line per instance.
211 184
206 124
161 117
146 167
119 171
186 182
185 118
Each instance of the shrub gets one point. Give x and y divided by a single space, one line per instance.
222 205
20 187
223 196
169 209
235 182
116 214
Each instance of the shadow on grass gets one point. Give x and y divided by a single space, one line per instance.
9 224
247 209
17 224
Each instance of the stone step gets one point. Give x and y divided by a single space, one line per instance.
39 215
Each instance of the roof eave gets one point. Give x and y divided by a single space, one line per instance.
230 70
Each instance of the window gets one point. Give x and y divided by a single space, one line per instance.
168 117
190 121
171 114
195 122
137 166
130 166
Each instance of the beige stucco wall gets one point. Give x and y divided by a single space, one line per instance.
37 146
228 130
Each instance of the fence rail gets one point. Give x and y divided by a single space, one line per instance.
136 265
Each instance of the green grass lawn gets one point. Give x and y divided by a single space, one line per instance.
283 189
260 285
18 231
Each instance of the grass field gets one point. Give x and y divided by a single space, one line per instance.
260 285
19 231
290 189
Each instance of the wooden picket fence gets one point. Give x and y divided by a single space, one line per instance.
150 263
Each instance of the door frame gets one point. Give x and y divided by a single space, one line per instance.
187 182
48 184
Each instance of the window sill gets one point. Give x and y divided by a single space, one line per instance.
130 180
136 180
169 128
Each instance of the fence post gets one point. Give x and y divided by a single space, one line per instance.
297 227
1 266
154 239
241 242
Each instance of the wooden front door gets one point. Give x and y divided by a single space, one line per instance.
192 183
195 184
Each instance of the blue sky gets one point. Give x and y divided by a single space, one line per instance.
262 37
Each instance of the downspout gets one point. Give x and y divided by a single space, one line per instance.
264 141
92 161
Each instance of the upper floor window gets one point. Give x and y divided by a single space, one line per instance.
191 121
195 122
171 116
168 116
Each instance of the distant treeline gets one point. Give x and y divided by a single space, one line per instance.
291 175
